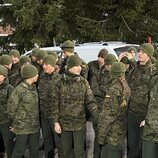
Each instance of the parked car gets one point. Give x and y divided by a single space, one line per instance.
89 51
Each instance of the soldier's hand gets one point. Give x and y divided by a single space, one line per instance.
142 124
57 128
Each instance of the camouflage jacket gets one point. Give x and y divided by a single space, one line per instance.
112 121
5 91
46 85
94 77
15 79
150 131
15 69
71 97
23 109
139 83
84 71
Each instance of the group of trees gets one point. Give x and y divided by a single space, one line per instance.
47 22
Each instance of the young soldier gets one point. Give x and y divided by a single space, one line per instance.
16 78
15 55
46 83
71 96
150 131
24 112
112 122
68 50
139 83
5 91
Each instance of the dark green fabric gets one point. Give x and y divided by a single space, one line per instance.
134 135
149 149
148 49
5 60
111 151
68 46
24 59
4 130
72 61
110 59
73 143
22 141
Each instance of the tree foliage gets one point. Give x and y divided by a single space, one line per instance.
46 21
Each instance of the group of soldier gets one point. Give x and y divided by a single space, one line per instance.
118 96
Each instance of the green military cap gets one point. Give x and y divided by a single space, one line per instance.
5 60
125 60
73 60
110 59
49 59
53 53
117 69
14 53
103 53
3 71
68 46
35 51
24 59
130 49
29 71
147 48
41 54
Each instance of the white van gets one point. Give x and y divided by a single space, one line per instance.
89 51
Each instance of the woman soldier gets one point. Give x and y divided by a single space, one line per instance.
112 121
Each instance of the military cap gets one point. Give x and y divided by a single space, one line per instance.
125 60
147 48
49 59
68 46
35 51
117 69
24 59
72 61
14 53
29 71
5 60
3 71
103 53
130 49
110 59
53 53
41 54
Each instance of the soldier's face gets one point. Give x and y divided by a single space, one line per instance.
2 79
76 70
14 60
47 68
142 57
34 79
101 61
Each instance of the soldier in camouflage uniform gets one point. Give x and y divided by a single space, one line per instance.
15 55
34 56
24 112
98 85
150 131
46 85
68 50
71 96
16 78
5 91
40 55
139 83
112 122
